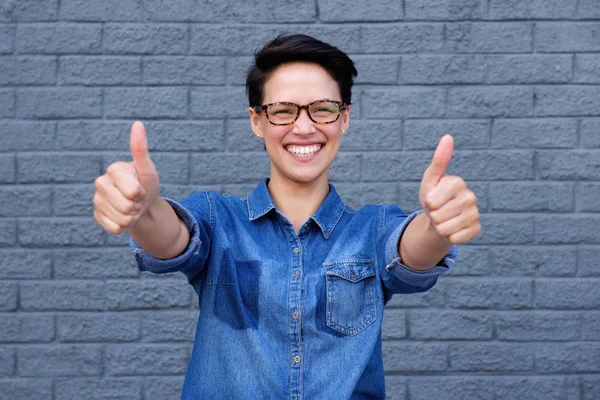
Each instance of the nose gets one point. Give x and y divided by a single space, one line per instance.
304 124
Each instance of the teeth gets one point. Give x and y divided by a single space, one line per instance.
304 151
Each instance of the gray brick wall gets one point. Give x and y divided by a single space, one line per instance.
516 81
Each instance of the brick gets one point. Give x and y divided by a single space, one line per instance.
498 101
434 297
94 135
591 387
29 10
473 261
450 388
534 261
535 388
59 38
7 168
169 326
590 326
43 232
491 357
534 196
590 133
37 198
163 387
537 68
70 200
577 294
117 240
426 134
394 325
8 232
492 165
567 229
356 195
172 167
27 70
450 325
538 326
58 168
7 362
25 328
7 38
28 135
403 102
368 135
393 167
7 103
587 261
99 388
567 357
100 70
180 192
534 133
25 264
63 102
345 168
146 359
147 102
236 69
214 102
587 68
199 136
556 37
414 357
44 361
238 190
395 387
103 327
240 137
402 38
145 39
107 10
532 9
230 168
63 296
155 294
588 9
569 165
567 100
30 389
356 10
587 197
102 263
376 69
442 69
489 37
230 11
445 10
184 70
483 293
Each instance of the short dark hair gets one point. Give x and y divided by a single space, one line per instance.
287 48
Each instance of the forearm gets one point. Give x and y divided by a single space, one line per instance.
421 247
161 233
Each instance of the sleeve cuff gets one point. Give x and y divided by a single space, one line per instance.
406 274
146 262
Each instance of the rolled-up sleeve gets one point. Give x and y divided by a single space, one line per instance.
399 278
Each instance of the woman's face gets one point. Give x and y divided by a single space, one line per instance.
290 147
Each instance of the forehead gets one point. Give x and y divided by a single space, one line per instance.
301 83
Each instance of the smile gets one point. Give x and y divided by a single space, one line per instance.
304 151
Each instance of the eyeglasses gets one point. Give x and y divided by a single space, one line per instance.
320 112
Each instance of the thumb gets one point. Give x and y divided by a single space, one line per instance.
440 161
138 143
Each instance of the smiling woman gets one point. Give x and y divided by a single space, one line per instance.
291 282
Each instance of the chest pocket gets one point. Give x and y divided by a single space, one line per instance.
351 305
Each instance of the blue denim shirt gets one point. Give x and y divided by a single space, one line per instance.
286 315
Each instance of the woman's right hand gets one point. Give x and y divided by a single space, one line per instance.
127 189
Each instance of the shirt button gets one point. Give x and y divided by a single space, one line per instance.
297 359
297 275
296 250
295 314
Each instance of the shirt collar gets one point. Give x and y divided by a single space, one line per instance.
326 217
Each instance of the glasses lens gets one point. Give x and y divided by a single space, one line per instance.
324 111
282 113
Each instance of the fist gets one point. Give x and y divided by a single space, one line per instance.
446 200
127 189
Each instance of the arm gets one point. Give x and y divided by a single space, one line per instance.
421 247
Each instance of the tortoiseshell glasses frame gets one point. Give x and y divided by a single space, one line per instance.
341 106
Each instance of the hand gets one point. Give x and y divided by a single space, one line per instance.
446 200
127 189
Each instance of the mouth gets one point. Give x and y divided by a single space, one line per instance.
304 151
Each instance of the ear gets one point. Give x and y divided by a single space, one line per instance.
255 122
346 119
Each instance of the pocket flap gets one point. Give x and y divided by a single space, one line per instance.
350 270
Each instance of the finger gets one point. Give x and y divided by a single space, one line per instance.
107 189
129 186
105 207
138 144
464 235
106 223
441 159
451 209
456 224
448 188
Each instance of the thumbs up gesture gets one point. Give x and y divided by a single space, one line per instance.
127 189
446 200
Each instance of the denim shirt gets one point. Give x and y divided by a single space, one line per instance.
286 315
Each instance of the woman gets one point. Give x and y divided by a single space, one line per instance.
291 282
